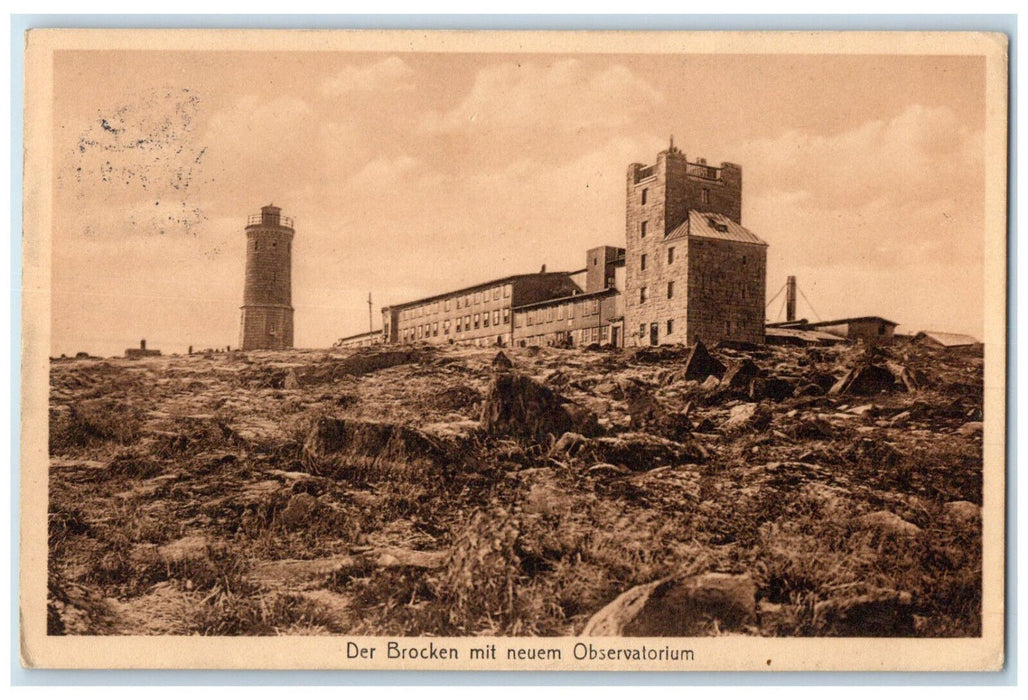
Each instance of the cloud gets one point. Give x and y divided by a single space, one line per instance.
388 75
919 155
564 96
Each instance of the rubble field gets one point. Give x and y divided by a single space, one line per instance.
676 491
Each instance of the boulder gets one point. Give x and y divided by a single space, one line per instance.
703 605
773 388
880 613
739 375
963 511
647 414
519 406
974 427
569 444
865 380
889 523
641 451
745 416
502 363
298 511
190 548
701 364
345 446
290 382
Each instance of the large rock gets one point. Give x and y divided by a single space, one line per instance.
701 364
521 407
889 523
298 511
739 375
344 446
702 605
641 451
747 416
865 380
880 613
647 414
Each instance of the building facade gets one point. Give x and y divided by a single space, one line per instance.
266 321
478 315
593 316
692 270
689 270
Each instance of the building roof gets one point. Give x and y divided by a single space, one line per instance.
717 226
564 300
805 336
948 340
474 287
855 319
365 334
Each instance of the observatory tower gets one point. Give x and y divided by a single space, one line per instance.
267 311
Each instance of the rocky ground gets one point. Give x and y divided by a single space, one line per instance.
770 491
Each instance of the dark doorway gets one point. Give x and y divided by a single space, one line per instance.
654 330
614 336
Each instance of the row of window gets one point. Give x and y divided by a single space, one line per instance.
644 292
461 302
462 325
653 328
589 307
670 258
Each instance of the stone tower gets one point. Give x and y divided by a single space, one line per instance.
267 311
691 269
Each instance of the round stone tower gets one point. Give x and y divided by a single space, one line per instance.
267 318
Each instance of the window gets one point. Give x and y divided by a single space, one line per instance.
467 322
446 328
506 315
642 295
459 326
478 297
529 319
496 293
571 310
642 229
506 291
446 305
496 317
642 200
435 328
478 320
705 196
458 302
560 312
670 326
642 330
642 262
485 320
670 255
517 320
670 290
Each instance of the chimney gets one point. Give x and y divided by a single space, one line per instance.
543 270
142 344
790 298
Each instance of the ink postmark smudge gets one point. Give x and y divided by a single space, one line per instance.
145 150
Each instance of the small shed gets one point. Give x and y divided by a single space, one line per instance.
947 340
870 330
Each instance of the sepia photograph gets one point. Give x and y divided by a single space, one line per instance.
499 350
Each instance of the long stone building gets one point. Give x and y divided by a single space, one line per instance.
688 270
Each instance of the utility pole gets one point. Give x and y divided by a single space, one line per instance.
371 325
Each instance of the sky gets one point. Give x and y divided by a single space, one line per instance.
408 174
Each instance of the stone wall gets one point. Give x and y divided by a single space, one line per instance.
267 314
726 291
